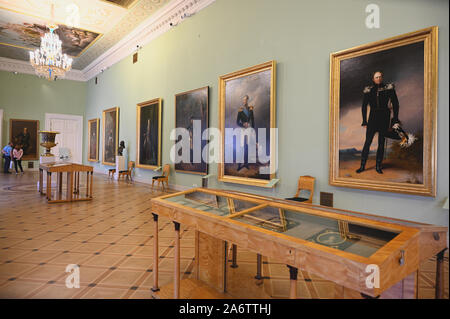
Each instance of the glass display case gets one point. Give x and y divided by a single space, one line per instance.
334 244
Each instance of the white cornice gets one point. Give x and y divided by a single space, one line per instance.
147 31
25 67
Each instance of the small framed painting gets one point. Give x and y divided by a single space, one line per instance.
93 139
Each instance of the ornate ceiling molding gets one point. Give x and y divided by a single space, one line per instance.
142 10
156 25
150 29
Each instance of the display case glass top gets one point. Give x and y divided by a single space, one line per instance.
333 231
338 234
211 203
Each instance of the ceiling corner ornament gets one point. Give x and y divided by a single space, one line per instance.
48 61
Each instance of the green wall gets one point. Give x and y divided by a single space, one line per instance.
233 34
24 96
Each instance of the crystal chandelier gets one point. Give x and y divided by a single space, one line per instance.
49 61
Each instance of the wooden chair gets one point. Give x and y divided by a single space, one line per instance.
127 173
304 183
164 177
111 171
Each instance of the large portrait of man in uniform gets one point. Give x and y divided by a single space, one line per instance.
149 134
110 136
383 105
25 134
247 123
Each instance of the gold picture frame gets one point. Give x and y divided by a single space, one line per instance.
16 135
140 158
416 177
110 147
91 130
271 108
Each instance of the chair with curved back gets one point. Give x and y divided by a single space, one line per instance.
128 172
163 178
305 183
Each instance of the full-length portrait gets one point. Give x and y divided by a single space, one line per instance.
110 135
25 134
149 134
382 109
93 139
191 114
247 122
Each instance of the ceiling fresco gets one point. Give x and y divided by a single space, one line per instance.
99 25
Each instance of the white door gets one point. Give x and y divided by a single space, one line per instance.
70 128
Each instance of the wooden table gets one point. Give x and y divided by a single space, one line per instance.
279 229
72 172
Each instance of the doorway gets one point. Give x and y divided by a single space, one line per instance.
70 138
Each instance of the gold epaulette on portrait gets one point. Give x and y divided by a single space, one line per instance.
390 86
367 89
241 109
250 108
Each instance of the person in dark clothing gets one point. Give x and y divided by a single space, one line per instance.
245 119
378 97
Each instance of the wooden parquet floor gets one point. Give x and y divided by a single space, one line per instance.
110 239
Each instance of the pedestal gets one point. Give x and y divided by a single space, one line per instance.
120 165
47 159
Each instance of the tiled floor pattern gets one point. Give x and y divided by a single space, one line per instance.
111 239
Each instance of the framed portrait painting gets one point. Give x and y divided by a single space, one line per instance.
247 125
25 133
110 136
93 128
149 116
191 114
383 108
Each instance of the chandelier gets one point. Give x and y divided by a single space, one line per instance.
49 61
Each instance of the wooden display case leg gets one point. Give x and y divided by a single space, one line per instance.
258 266
155 254
197 255
69 186
41 181
225 262
87 184
90 187
59 184
234 256
75 174
439 275
49 186
293 272
176 283
77 183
